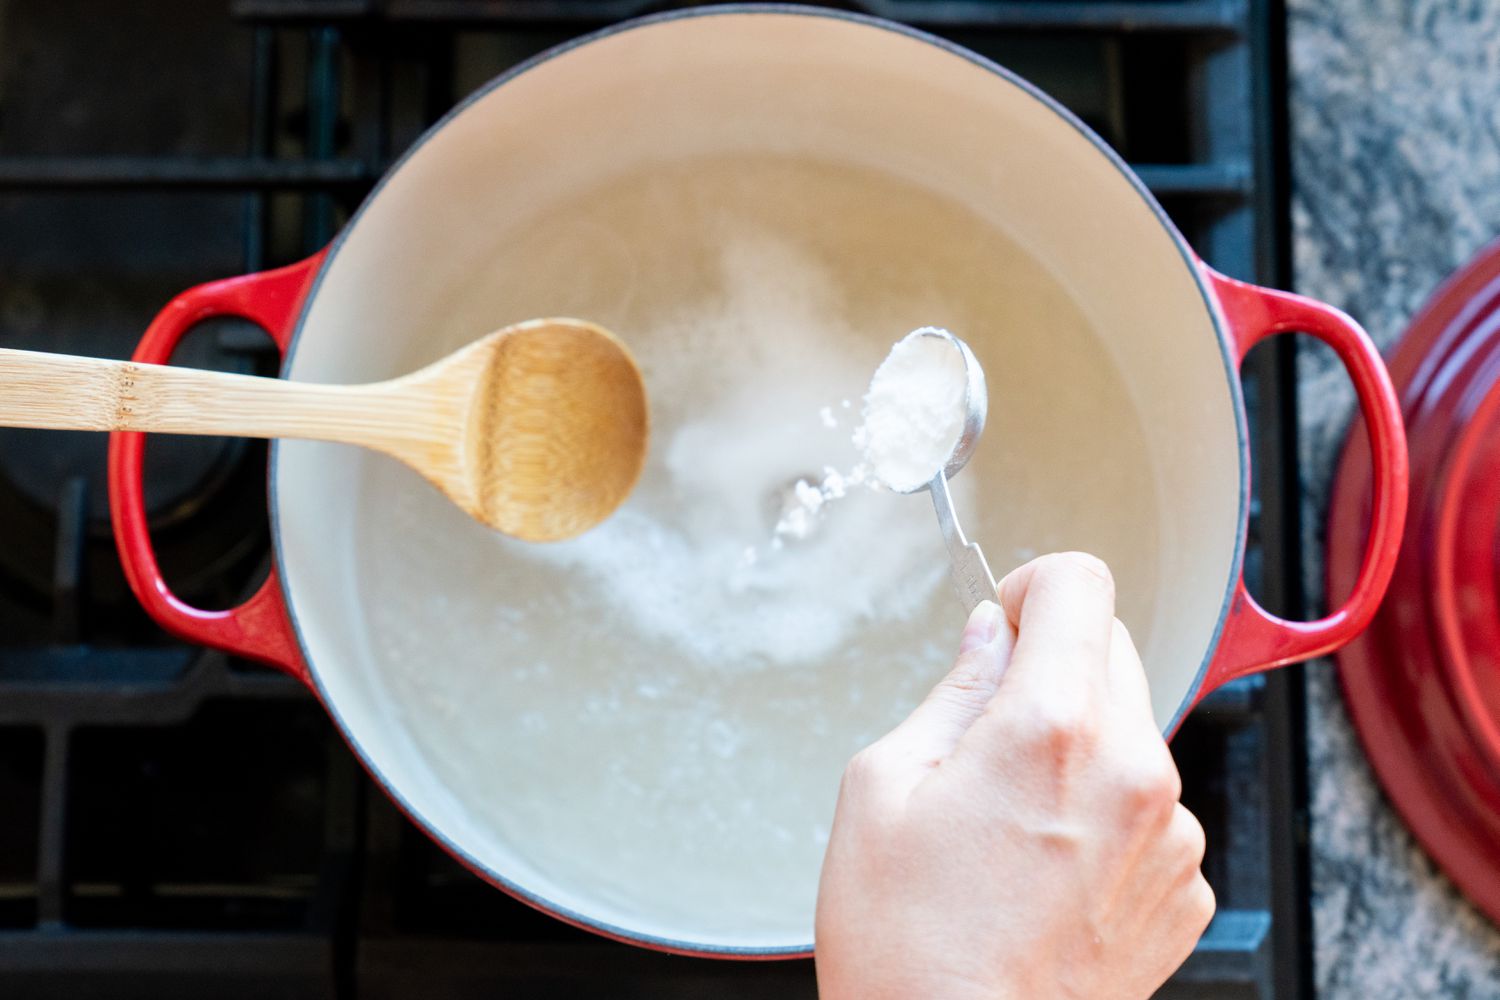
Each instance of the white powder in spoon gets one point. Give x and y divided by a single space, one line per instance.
914 411
912 419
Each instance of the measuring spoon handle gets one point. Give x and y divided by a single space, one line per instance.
970 570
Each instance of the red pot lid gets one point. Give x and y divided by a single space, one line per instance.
1423 682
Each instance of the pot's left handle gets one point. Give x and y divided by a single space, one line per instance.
1253 638
259 629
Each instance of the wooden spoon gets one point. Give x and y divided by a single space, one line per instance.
538 430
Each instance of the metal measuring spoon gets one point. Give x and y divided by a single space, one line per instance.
971 573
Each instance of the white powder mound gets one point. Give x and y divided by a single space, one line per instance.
914 411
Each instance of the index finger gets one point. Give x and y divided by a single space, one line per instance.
1063 609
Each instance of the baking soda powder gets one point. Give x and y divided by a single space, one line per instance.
912 419
914 411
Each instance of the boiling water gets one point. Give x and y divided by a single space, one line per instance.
644 715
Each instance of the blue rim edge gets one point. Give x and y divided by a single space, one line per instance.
1189 259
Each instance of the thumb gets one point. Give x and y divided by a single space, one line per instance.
933 729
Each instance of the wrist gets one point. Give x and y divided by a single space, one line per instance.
906 984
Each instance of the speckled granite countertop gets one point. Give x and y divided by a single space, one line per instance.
1396 182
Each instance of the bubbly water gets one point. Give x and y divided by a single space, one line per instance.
644 714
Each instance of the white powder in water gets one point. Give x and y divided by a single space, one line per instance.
728 551
803 508
914 411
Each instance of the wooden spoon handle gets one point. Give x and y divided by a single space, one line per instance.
66 392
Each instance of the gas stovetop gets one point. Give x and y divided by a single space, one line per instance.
179 823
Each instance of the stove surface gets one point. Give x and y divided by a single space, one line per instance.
184 824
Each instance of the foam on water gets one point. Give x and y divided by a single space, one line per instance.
677 574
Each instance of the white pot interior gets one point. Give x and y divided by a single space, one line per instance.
640 726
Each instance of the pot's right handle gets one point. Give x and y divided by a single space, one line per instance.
259 629
1254 639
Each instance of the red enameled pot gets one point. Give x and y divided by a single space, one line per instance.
642 731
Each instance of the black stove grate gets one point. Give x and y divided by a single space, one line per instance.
178 823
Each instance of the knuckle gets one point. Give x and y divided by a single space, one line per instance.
1057 727
1152 787
1080 567
866 767
970 674
1202 902
1173 791
1190 840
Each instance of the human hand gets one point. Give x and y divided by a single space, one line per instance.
1019 835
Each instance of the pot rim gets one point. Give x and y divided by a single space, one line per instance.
1189 258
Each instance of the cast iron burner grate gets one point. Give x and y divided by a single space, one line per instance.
180 824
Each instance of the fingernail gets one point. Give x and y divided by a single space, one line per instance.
983 626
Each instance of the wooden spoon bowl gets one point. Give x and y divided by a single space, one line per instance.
556 433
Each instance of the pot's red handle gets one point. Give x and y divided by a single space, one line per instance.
259 629
1253 639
